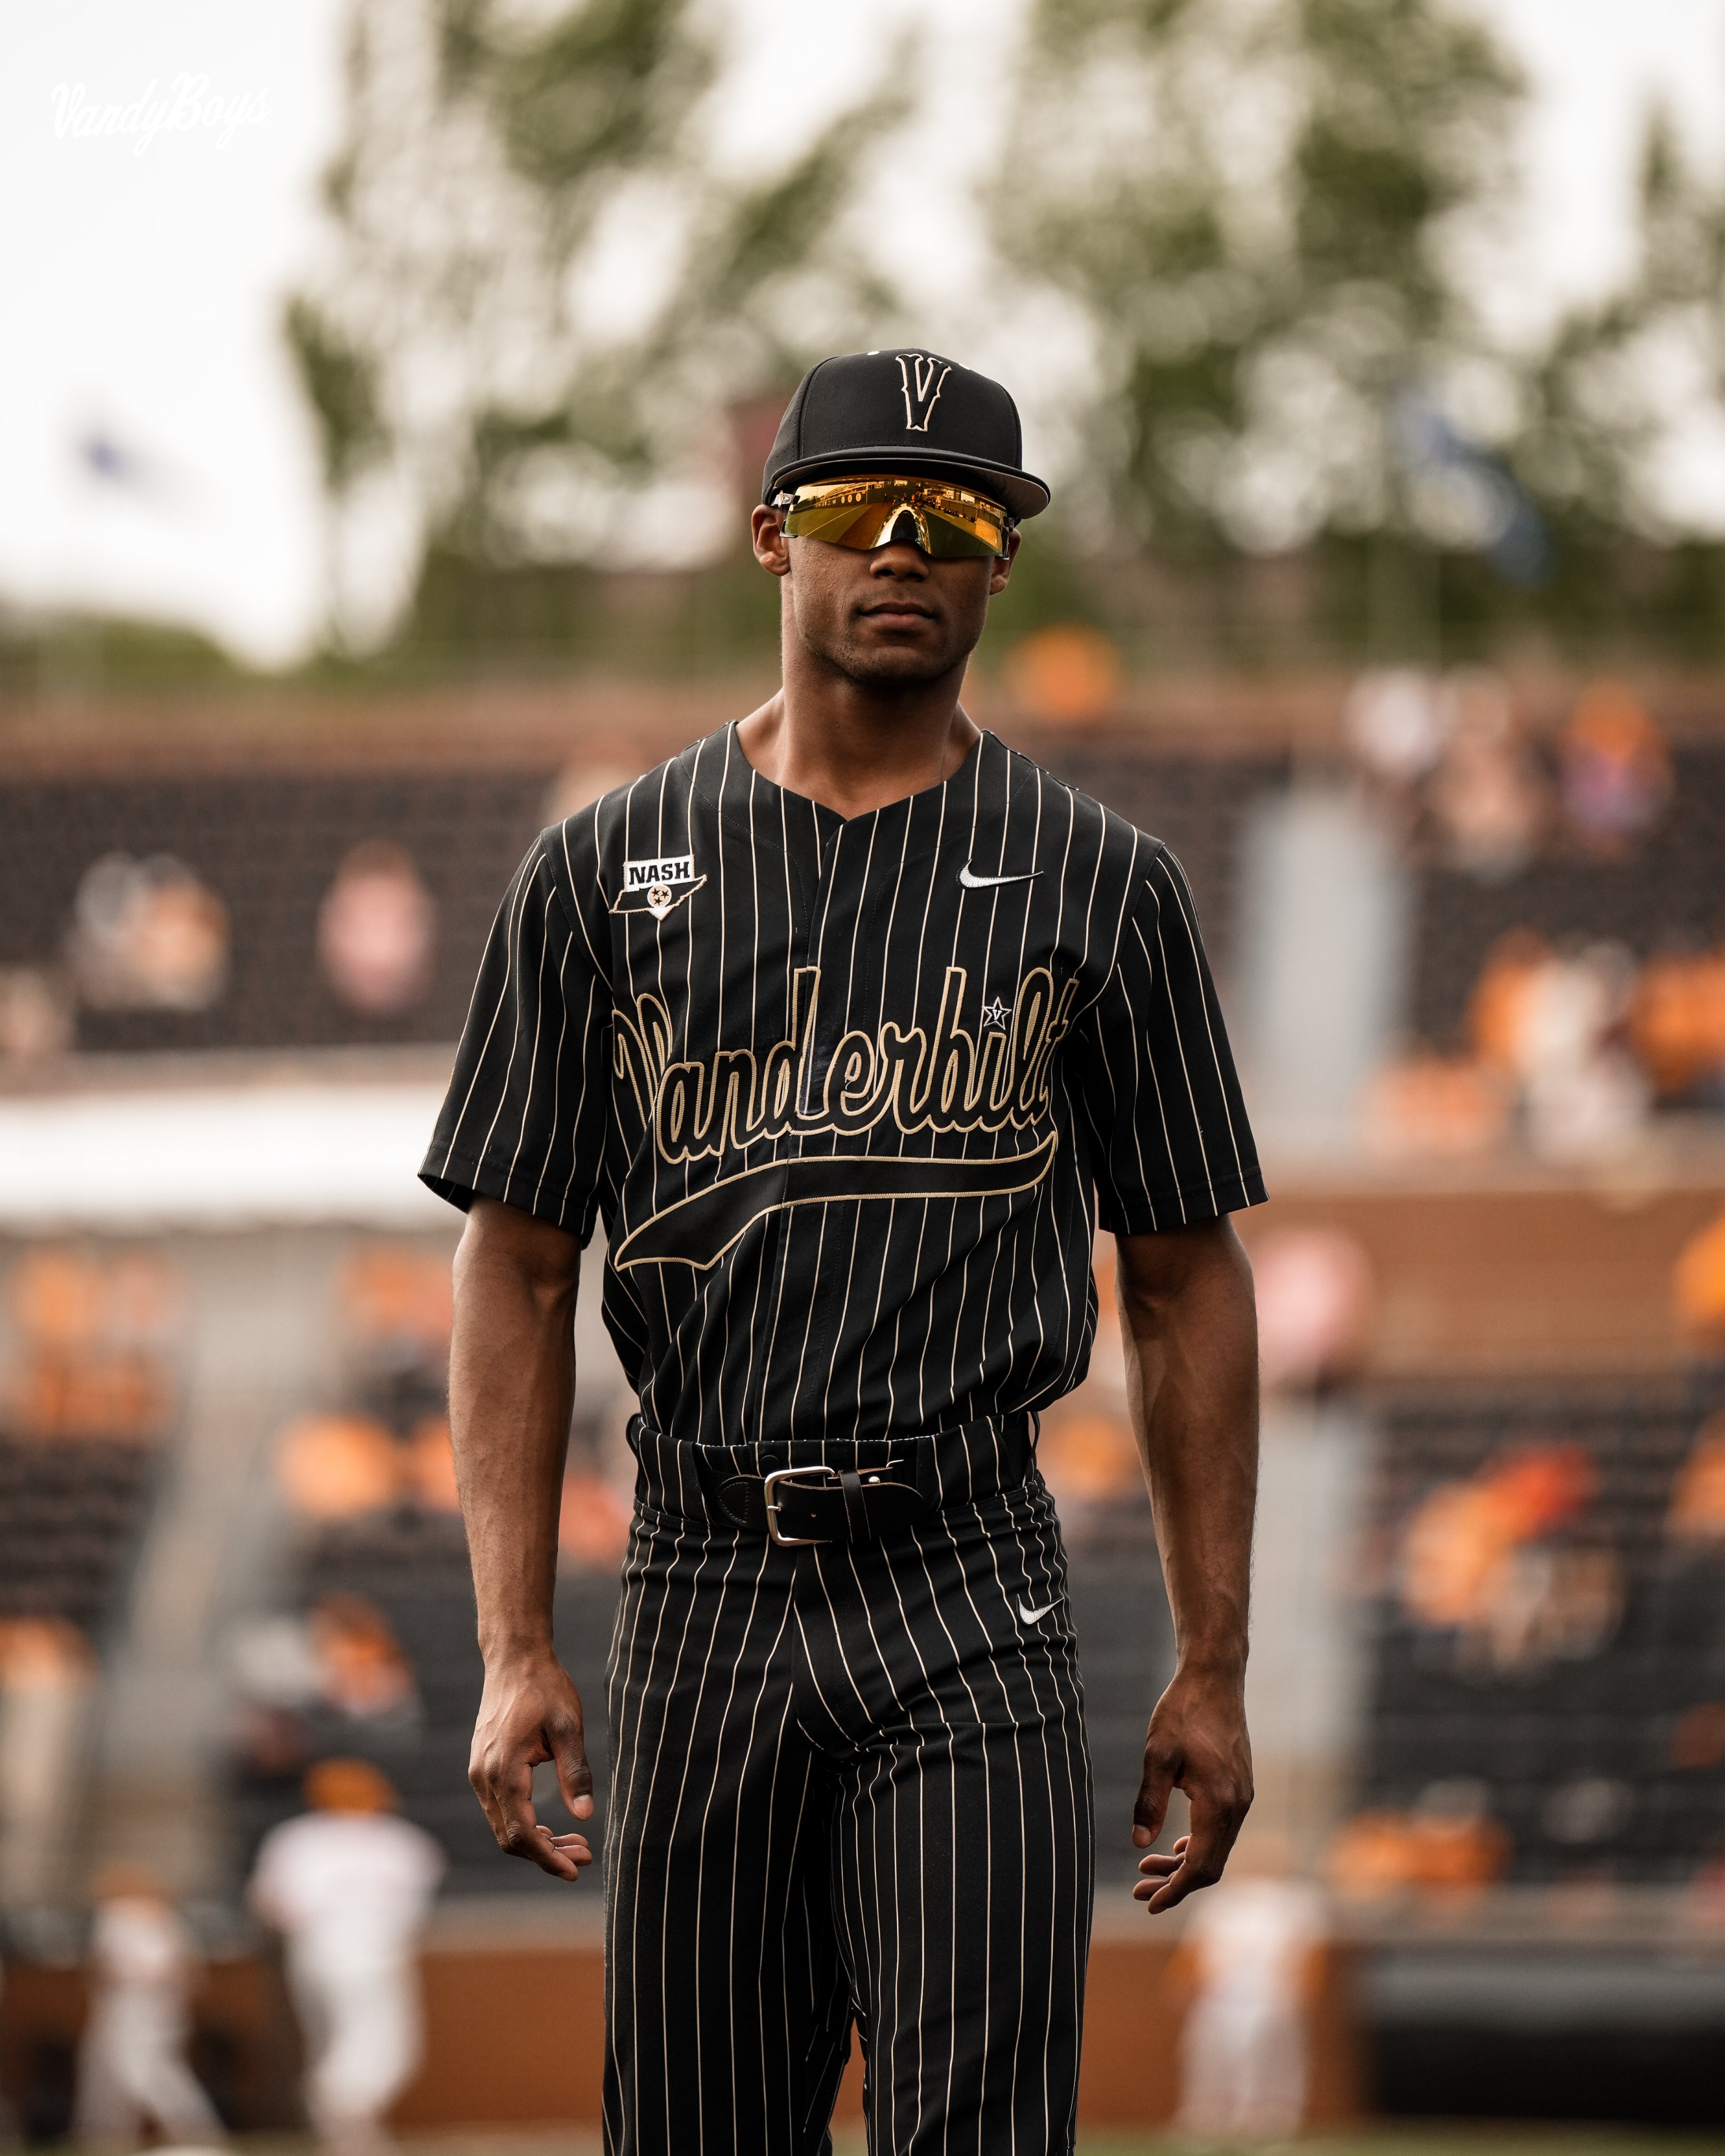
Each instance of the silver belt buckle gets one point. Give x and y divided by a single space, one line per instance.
797 1474
793 1474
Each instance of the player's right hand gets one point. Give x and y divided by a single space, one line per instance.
530 1712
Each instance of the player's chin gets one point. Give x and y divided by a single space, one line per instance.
882 661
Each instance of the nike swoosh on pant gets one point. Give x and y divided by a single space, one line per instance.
972 882
1036 1616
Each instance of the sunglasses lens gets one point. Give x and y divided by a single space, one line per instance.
948 522
862 526
952 541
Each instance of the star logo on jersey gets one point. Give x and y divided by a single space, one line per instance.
994 1013
922 377
658 884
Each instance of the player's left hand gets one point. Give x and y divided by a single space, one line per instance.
1197 1742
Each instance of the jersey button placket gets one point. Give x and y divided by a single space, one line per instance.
837 934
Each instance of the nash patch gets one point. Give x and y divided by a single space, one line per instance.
655 886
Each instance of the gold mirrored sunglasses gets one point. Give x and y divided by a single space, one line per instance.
950 522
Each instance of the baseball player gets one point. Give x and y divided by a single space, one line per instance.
850 1024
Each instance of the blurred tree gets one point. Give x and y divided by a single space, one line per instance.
1621 379
1618 438
553 313
1256 206
1263 217
542 292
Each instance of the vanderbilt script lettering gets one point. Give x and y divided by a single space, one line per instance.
950 1082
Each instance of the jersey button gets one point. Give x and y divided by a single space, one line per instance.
769 1459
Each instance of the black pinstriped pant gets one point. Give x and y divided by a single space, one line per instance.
849 1782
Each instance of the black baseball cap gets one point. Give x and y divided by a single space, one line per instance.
903 411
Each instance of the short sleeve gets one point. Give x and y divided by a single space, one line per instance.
527 1112
1170 1142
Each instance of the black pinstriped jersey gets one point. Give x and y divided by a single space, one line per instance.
849 1095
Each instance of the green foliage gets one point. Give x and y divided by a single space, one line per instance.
1250 203
1406 105
1291 434
341 385
1615 377
604 89
78 658
1262 216
540 291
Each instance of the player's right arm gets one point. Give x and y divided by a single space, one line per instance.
511 1386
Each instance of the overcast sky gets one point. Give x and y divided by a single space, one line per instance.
143 276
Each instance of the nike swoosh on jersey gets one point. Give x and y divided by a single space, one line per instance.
972 882
1036 1616
698 1231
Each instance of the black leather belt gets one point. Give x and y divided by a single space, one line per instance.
819 1503
823 1501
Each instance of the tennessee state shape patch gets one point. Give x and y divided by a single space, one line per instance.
654 887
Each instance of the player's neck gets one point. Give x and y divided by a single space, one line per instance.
854 749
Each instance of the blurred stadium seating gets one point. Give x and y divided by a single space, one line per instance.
87 1402
371 1650
270 848
1577 1669
1647 898
1537 1736
71 1512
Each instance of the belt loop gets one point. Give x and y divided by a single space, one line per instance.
1027 1433
856 1513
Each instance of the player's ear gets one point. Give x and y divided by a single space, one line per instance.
773 549
1002 570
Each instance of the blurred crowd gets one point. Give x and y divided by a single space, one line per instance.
1511 1556
94 1336
1571 1043
1562 1585
370 1482
149 934
89 1390
1463 775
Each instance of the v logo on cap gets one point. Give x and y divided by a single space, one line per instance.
922 387
871 415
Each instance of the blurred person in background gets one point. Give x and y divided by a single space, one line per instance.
375 931
47 1677
131 2065
1252 1958
348 1884
148 936
1614 772
364 1674
1487 795
1553 1025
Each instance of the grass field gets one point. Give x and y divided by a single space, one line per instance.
1461 2139
1454 2138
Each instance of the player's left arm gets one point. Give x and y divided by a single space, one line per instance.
1189 1330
